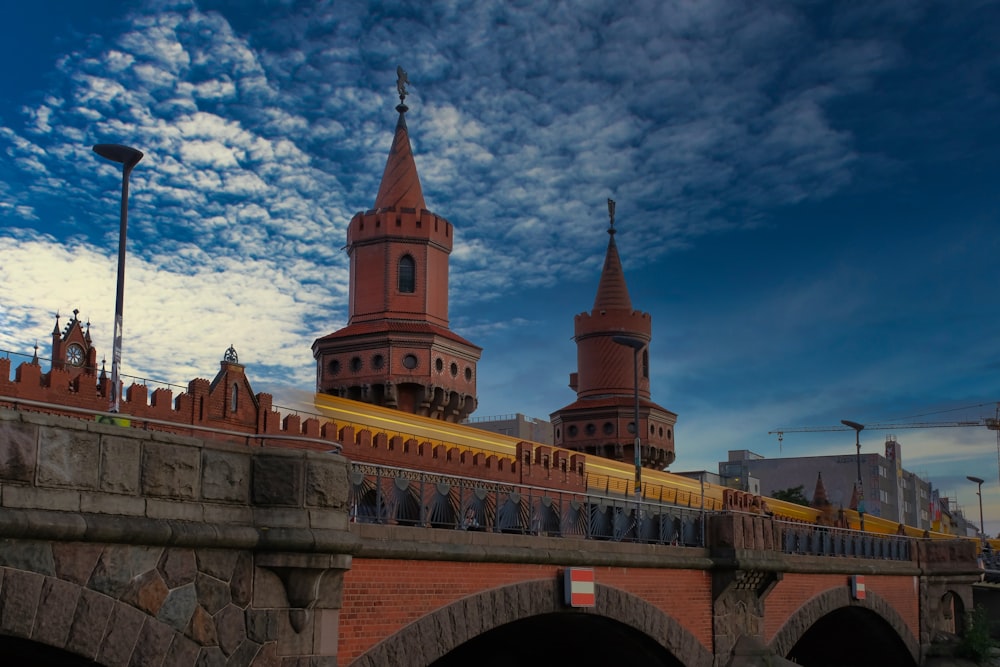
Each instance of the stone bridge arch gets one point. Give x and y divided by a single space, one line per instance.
438 633
796 626
64 615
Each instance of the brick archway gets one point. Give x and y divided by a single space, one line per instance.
66 616
812 611
436 634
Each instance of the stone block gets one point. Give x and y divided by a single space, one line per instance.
178 567
75 561
326 482
213 594
179 607
211 656
68 458
118 565
242 580
90 621
147 592
232 515
278 480
154 640
57 605
244 654
182 652
230 624
327 634
202 628
265 517
121 636
328 519
29 555
157 508
111 503
217 562
18 451
120 459
30 497
171 471
225 476
19 602
262 624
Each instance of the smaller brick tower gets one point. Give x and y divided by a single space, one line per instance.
601 420
396 349
72 348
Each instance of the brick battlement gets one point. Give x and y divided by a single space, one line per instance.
401 222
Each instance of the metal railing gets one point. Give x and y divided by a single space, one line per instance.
828 541
390 495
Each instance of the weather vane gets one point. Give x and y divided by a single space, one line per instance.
611 212
401 81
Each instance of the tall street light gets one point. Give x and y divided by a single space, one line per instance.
858 428
636 344
979 492
128 157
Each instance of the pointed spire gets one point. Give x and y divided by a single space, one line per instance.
55 331
854 498
400 187
34 359
819 495
612 292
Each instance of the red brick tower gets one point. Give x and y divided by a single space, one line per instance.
72 348
601 419
396 349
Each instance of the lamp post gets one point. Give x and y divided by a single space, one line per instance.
128 157
636 344
858 428
979 492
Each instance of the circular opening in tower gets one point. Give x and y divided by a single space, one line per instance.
410 361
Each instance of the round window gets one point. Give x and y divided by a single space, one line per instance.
608 428
410 361
590 429
378 361
571 431
454 369
439 364
631 427
468 374
355 364
334 366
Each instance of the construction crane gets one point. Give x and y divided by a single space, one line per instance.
992 423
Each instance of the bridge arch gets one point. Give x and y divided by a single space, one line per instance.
838 604
439 633
50 621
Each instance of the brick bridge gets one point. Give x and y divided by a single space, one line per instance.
121 546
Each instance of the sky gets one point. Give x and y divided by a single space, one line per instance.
807 198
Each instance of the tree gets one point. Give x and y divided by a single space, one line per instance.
794 494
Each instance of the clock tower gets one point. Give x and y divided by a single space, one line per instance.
397 350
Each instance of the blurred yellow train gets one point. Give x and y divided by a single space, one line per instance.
604 476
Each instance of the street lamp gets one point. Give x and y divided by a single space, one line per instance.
979 492
858 428
636 344
128 157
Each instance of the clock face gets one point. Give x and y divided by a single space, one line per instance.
74 355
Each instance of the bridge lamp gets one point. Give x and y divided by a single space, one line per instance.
858 428
979 492
637 345
128 157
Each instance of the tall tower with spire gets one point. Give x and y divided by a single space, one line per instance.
601 420
397 350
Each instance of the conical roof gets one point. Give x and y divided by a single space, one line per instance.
819 495
400 187
854 498
612 292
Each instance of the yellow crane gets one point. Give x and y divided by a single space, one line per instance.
992 423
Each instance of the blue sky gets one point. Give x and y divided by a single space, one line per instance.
806 195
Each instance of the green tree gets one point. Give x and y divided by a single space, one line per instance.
795 494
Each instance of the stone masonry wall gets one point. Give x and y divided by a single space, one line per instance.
132 547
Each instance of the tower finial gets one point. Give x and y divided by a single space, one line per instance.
611 214
401 82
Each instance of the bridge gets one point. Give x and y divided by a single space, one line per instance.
125 546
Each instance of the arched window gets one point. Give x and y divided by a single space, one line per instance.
407 274
645 363
234 400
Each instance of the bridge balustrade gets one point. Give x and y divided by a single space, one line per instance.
829 541
390 495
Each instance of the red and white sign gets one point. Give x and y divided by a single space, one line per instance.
858 586
579 586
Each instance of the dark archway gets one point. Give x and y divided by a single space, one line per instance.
26 653
832 630
561 639
536 608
